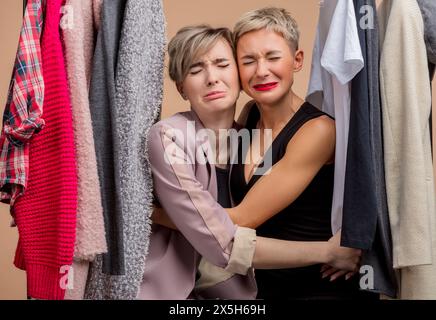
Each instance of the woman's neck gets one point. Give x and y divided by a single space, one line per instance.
218 120
275 116
219 123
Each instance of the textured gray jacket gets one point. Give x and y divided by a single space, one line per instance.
137 104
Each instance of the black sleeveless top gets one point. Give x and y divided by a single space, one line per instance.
306 219
222 178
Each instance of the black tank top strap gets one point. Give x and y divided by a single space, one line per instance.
304 114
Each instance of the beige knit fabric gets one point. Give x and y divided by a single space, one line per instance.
406 104
78 35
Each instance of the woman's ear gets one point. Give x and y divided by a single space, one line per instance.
180 89
298 60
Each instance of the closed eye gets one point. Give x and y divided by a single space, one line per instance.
224 65
195 70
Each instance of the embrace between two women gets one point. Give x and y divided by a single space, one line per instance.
218 222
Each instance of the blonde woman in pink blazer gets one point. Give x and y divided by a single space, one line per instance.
203 66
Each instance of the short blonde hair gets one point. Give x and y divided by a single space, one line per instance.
270 18
191 42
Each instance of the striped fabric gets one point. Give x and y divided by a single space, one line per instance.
22 115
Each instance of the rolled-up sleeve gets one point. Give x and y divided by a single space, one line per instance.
242 254
191 207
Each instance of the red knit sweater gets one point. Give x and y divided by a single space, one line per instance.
46 213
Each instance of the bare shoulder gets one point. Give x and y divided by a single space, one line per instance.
315 139
322 124
321 128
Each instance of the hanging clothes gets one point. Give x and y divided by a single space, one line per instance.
428 10
104 122
406 104
22 117
46 213
336 60
360 210
138 98
24 7
365 221
78 34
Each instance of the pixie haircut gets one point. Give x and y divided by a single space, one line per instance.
270 18
191 42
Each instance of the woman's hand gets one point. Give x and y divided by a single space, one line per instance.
159 216
342 258
333 273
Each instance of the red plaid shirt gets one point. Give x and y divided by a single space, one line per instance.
22 115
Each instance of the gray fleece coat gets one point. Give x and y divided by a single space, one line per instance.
138 98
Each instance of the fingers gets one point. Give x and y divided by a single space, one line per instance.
338 274
334 274
349 275
329 272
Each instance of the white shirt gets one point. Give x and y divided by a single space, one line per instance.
337 59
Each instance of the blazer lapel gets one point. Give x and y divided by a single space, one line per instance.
205 154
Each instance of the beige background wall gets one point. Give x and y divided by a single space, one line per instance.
218 13
178 14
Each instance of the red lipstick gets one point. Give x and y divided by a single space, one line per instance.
265 86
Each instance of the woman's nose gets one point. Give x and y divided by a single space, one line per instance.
212 78
262 69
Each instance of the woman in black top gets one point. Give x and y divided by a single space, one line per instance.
293 201
307 218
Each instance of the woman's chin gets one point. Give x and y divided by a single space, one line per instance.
220 107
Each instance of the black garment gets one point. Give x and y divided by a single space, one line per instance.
365 223
308 218
222 178
360 208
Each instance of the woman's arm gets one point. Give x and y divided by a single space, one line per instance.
206 225
190 206
311 148
276 254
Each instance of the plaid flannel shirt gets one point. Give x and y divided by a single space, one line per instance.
22 114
